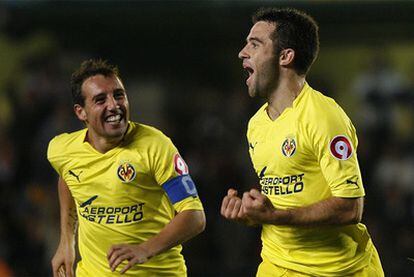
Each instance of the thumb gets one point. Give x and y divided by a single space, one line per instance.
254 193
232 192
69 269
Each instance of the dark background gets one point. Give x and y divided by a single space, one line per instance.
178 61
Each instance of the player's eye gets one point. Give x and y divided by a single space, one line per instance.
100 100
119 95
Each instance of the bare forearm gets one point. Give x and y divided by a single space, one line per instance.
332 211
68 224
68 214
65 254
181 228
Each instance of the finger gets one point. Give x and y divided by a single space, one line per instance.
230 207
247 202
112 249
232 192
61 272
224 205
128 266
55 269
254 193
236 209
241 214
120 259
55 266
259 198
132 263
247 199
118 253
69 269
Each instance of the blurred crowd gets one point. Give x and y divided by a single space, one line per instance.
207 124
385 119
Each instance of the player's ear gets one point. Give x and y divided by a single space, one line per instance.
286 56
80 112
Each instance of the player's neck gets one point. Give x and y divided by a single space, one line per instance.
284 95
102 144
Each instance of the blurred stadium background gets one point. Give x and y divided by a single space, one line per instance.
179 63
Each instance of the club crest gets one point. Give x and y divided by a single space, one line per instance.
289 147
126 172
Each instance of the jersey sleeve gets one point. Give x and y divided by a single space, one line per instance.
54 154
335 143
172 173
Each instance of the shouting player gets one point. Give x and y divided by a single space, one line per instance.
303 148
124 183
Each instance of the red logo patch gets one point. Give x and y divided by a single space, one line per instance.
341 148
180 165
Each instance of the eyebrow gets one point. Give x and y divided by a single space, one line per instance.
119 90
254 39
98 95
103 93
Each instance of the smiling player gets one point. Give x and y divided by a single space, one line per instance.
124 182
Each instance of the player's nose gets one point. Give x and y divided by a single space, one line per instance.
112 103
243 53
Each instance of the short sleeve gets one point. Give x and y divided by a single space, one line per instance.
189 204
164 154
172 173
335 143
53 155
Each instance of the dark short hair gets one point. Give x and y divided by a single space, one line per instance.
88 69
294 29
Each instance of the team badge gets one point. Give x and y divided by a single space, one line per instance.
126 172
289 147
341 148
179 165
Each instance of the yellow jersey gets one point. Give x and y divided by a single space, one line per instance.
126 195
306 155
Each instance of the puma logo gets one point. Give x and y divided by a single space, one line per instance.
74 175
353 182
252 146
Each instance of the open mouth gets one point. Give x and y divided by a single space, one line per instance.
248 72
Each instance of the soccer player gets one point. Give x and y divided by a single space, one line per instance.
124 183
303 149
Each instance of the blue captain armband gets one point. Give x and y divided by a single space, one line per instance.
180 188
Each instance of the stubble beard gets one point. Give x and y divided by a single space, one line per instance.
270 81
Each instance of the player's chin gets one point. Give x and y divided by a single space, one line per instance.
114 131
252 92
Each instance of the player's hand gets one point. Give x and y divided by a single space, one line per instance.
62 262
256 207
231 208
134 253
231 205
